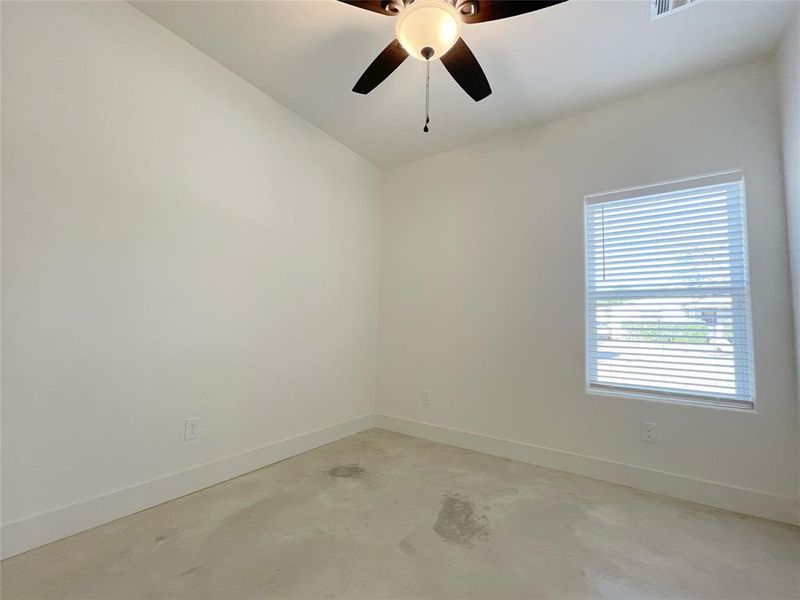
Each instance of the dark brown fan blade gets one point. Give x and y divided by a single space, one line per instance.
463 66
479 11
377 6
383 65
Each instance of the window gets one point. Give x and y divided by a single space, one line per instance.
667 294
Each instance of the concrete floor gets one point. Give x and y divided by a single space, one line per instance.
382 515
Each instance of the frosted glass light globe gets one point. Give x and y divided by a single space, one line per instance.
433 24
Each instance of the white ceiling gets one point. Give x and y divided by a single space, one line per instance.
308 54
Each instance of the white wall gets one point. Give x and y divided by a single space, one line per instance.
482 294
175 244
789 65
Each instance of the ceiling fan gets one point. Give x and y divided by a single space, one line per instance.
431 29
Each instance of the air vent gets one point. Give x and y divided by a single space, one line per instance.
662 8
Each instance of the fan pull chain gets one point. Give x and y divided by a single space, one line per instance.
427 94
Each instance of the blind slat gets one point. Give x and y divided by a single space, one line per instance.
685 386
666 197
649 274
698 227
663 375
663 293
664 312
721 232
659 349
683 244
710 254
667 204
653 223
613 217
697 364
644 367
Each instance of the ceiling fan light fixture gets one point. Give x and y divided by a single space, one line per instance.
428 25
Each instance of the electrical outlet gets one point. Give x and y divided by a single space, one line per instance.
426 397
648 432
190 429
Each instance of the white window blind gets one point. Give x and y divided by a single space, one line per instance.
667 294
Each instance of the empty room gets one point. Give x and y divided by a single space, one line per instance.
400 299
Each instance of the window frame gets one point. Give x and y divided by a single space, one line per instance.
642 393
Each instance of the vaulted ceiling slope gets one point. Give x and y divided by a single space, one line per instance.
308 54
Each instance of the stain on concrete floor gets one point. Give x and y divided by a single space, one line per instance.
352 471
428 521
406 546
457 522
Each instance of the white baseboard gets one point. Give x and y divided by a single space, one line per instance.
36 530
711 493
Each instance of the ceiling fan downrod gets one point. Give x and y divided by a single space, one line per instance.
393 7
